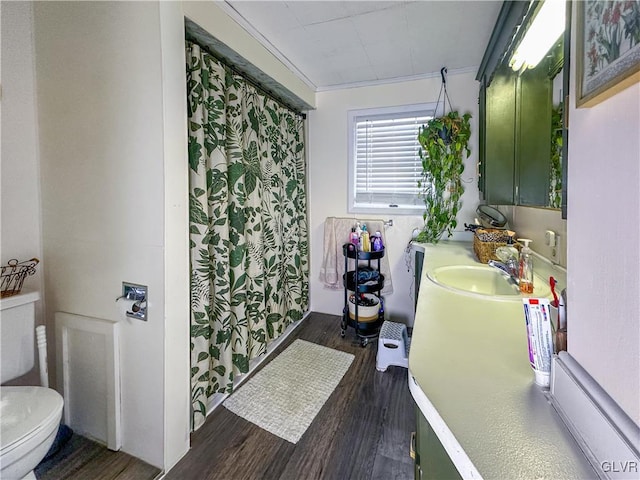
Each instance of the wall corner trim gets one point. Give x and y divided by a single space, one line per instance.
605 433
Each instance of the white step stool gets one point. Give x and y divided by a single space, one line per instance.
393 346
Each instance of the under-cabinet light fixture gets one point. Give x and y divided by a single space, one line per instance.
547 26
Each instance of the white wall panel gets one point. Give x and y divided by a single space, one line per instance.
89 376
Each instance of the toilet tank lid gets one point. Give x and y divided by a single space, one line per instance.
19 299
24 410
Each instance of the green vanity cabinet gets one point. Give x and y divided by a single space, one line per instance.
417 276
431 459
515 150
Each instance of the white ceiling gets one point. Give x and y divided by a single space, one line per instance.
334 44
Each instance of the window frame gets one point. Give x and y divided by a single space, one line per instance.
352 117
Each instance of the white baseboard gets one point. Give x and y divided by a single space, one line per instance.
606 434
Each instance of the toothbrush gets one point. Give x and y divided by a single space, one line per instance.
553 283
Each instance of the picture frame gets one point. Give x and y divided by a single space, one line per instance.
607 49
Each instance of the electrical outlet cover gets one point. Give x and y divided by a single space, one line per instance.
550 238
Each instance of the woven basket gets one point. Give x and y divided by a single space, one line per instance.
13 275
487 240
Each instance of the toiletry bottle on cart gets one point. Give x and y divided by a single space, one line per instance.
525 267
376 242
353 237
366 242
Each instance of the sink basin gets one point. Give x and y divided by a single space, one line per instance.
483 281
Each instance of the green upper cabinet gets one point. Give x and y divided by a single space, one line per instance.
498 156
517 143
533 137
516 121
519 137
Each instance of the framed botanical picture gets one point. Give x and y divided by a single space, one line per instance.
608 49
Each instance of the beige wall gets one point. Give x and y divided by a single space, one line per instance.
105 203
533 222
603 227
328 162
20 226
177 361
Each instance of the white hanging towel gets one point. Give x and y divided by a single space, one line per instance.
336 234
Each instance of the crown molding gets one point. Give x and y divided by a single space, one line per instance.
387 81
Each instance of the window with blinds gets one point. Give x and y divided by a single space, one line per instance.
384 161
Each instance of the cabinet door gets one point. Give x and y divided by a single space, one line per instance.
418 260
432 460
482 136
533 137
498 164
517 138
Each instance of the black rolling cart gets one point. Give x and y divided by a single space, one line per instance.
366 327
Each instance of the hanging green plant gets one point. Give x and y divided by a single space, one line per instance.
555 174
445 143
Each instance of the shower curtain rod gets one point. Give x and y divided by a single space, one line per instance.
247 79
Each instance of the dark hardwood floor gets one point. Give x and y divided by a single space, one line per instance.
84 459
362 432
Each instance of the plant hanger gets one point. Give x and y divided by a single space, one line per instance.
444 141
445 99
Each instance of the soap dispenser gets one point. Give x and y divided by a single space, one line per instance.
525 267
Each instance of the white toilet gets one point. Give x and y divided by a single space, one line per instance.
29 416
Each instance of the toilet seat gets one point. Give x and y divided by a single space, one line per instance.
27 412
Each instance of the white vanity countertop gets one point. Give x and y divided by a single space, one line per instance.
469 373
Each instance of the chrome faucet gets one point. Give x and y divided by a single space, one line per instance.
510 269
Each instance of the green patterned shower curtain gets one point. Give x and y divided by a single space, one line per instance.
248 224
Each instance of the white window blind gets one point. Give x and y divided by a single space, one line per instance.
385 159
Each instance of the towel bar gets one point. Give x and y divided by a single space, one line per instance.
386 223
